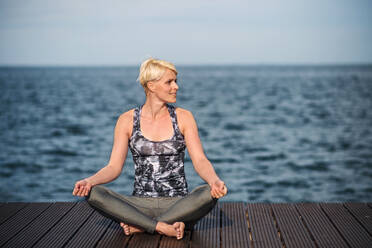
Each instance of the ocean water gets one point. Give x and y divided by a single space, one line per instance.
272 133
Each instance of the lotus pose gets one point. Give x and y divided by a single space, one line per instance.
157 134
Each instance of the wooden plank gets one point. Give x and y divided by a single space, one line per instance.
10 209
67 227
292 230
362 213
234 232
144 240
114 237
355 235
20 220
318 224
78 225
40 226
263 230
90 233
206 233
170 242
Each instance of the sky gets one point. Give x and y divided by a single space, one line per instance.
123 32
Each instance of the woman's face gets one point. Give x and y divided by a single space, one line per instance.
166 88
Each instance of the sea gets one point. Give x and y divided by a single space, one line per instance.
274 133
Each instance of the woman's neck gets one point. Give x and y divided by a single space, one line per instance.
154 109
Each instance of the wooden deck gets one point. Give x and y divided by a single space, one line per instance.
230 224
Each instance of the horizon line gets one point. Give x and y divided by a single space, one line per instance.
197 64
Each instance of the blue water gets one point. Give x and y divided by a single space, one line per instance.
273 133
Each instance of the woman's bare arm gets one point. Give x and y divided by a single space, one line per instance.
201 163
118 155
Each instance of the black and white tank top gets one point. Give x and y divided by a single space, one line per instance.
159 165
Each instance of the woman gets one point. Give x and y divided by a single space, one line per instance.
157 135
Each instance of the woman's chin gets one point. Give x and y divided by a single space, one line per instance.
172 100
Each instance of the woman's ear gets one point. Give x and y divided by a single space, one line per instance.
150 86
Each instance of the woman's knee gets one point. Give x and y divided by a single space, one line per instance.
96 194
203 193
202 188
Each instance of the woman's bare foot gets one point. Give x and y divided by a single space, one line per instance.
128 230
175 230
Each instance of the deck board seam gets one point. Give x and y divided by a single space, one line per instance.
248 224
36 241
103 233
26 204
293 230
31 221
57 223
25 226
244 223
190 240
220 226
129 240
277 227
334 225
159 241
77 230
358 236
360 223
306 227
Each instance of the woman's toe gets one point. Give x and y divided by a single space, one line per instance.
126 229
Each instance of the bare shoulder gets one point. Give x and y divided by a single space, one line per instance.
185 119
184 114
127 116
125 122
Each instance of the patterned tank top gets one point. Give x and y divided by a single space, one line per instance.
159 165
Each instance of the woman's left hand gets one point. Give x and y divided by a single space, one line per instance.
218 189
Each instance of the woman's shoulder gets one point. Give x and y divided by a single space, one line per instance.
125 120
127 116
185 119
183 113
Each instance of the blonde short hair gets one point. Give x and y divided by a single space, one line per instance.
152 70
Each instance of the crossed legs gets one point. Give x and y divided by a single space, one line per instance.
165 215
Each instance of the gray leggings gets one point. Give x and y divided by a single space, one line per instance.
145 212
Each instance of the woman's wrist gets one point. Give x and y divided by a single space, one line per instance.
211 182
89 180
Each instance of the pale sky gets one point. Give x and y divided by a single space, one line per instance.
123 32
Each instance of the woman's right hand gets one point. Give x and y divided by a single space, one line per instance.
82 188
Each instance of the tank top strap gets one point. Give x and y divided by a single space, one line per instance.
173 115
136 119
